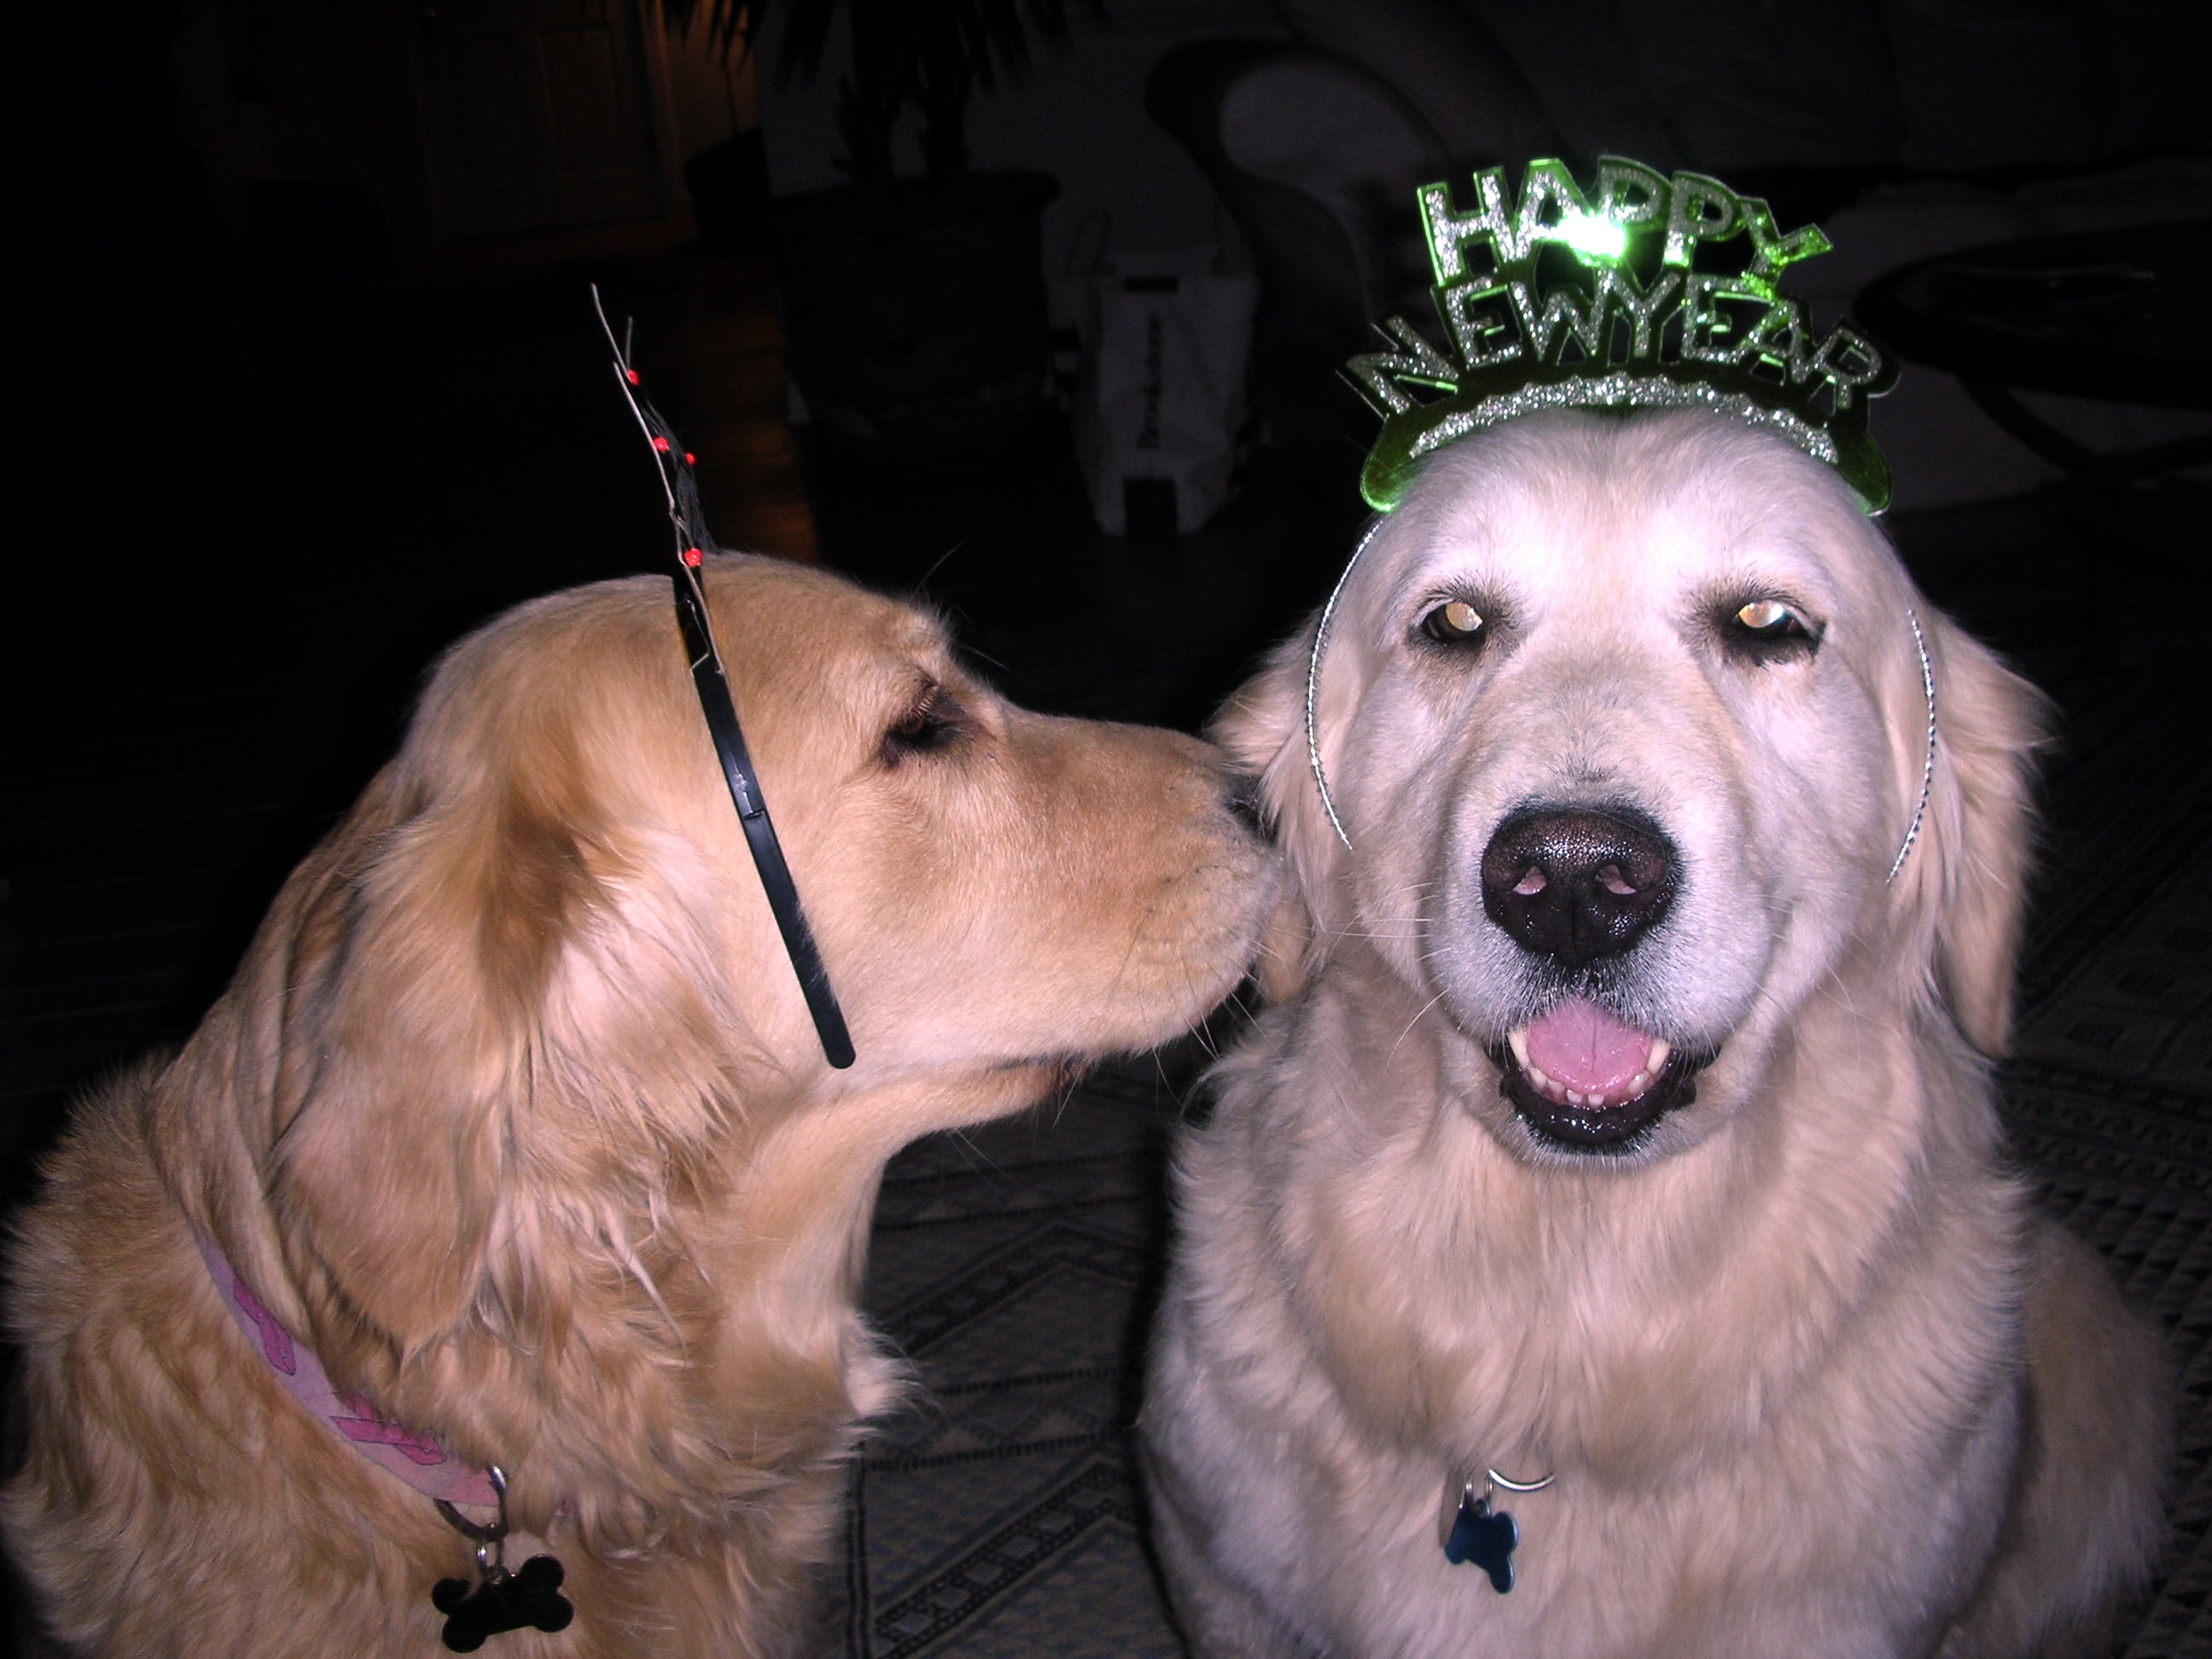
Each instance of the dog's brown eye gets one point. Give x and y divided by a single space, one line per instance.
1768 628
1769 617
931 723
1453 623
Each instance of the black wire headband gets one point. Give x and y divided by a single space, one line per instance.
692 542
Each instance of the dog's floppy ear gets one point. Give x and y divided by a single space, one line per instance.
516 1028
1966 877
1262 725
402 1056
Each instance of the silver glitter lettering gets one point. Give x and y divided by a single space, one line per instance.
1705 327
1688 222
1473 324
1449 232
1779 341
1847 360
1378 375
1630 193
1549 197
1560 319
1644 310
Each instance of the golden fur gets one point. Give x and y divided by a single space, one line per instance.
514 1114
1812 1374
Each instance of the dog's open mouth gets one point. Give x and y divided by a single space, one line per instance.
1584 1079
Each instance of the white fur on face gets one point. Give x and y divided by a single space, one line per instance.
1605 558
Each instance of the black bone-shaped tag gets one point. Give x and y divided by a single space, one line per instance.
526 1599
1486 1540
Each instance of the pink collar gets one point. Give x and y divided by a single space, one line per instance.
418 1460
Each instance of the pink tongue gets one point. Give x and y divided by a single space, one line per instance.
1582 1046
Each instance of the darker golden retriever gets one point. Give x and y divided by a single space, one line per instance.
513 1121
1626 1125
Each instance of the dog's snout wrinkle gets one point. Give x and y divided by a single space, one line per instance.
1577 884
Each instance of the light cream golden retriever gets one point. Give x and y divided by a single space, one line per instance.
1619 1122
515 1118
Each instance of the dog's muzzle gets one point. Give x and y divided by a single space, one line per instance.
1621 1094
1575 886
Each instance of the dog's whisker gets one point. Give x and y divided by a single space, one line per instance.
921 585
1421 1014
978 1159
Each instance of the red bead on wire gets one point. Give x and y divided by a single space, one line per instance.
691 557
630 374
687 457
660 446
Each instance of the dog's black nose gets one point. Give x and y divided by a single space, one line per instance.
1241 798
1576 886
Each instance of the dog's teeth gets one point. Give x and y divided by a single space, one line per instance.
1596 1099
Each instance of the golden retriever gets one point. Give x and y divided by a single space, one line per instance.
515 1118
1619 1122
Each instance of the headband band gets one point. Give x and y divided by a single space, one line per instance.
681 487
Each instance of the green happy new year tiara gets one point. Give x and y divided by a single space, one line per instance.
1597 300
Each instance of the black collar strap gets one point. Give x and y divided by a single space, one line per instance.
692 541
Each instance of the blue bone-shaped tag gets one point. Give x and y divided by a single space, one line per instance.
1484 1539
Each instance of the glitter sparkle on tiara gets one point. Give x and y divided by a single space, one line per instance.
1605 299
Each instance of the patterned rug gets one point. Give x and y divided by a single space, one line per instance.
2110 1088
1017 1266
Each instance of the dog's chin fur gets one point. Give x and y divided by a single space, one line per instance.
514 1116
1811 1374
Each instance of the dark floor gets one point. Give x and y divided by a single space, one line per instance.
262 526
